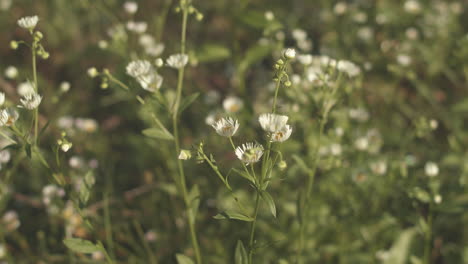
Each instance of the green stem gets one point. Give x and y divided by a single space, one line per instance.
7 137
428 242
36 89
175 116
252 227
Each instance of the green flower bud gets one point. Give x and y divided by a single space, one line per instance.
14 44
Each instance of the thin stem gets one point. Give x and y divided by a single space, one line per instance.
117 81
252 227
428 240
182 181
36 89
7 137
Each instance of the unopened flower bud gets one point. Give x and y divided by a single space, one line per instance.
199 16
287 83
14 44
290 53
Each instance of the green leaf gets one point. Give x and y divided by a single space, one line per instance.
270 202
401 247
240 256
27 148
194 198
187 101
182 259
158 133
245 175
213 52
233 216
253 55
80 245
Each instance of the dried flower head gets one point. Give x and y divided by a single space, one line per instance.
226 127
249 152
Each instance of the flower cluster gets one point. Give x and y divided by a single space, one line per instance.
145 74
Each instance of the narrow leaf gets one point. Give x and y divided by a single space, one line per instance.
233 216
240 255
270 202
80 245
187 101
158 133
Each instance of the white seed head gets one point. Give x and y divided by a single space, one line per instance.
290 53
272 122
130 7
232 104
249 152
31 101
28 22
11 72
431 169
177 61
226 127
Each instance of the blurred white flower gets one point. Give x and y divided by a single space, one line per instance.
177 61
8 116
361 143
2 251
379 167
340 8
438 199
351 69
431 169
412 7
86 124
5 156
2 98
11 72
151 236
433 124
299 34
335 149
137 27
25 88
249 152
64 87
11 221
130 7
5 4
412 33
102 44
31 101
66 146
269 16
403 59
93 72
226 127
358 114
76 162
29 22
145 74
138 68
232 104
272 122
98 255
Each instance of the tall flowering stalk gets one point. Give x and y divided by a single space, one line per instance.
185 5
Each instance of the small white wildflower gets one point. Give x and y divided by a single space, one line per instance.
412 7
404 59
335 149
272 122
211 118
2 98
305 59
76 162
28 22
130 7
269 16
226 127
137 27
64 87
102 44
145 74
86 124
8 116
25 88
359 114
281 135
340 8
31 101
159 62
11 72
379 167
351 69
361 143
11 221
299 34
412 33
138 68
98 255
92 72
289 53
185 154
249 152
438 199
177 61
433 124
232 104
431 169
66 146
151 236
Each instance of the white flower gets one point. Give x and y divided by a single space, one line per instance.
185 154
131 7
249 152
379 167
226 127
86 124
305 59
10 220
5 156
335 149
361 143
412 7
177 61
232 104
138 68
66 146
137 27
340 8
281 135
438 199
11 72
8 116
25 88
2 98
64 87
290 53
31 101
403 59
299 34
28 22
431 169
272 122
349 68
145 74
